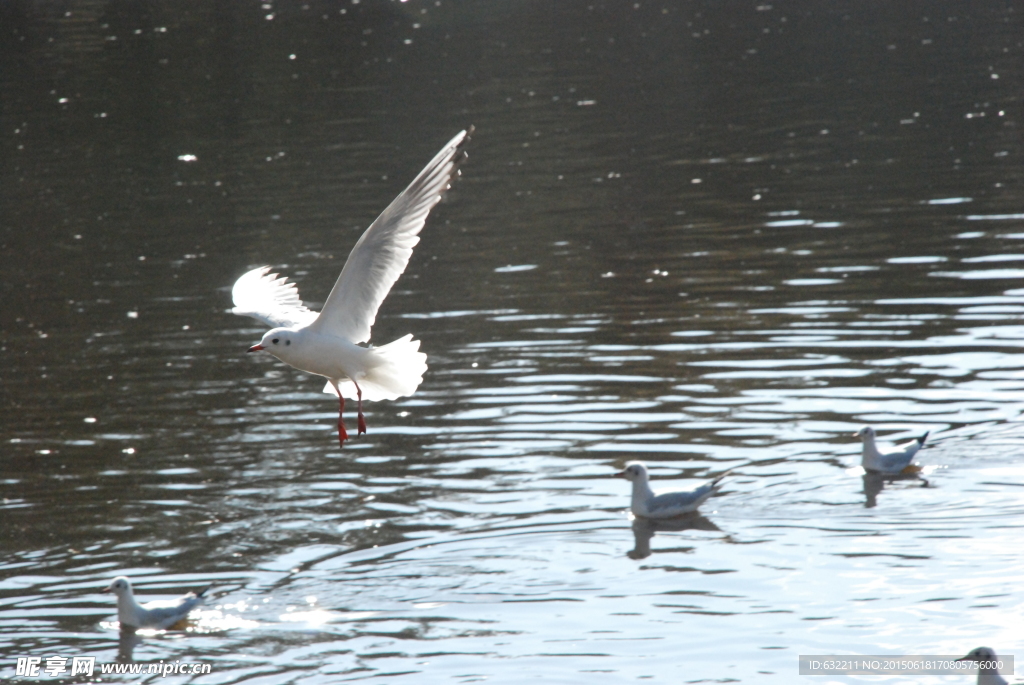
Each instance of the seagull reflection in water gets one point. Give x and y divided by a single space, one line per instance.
874 483
645 528
127 640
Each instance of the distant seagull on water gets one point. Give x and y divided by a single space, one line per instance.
327 344
986 658
892 461
158 614
667 504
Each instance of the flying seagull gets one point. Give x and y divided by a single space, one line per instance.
327 343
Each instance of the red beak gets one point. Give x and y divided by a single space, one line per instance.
256 348
620 474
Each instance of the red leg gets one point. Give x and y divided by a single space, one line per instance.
362 421
342 433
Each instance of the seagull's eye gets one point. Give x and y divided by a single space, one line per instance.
275 340
287 342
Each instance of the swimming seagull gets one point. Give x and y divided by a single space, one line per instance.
987 673
892 461
158 614
668 504
326 344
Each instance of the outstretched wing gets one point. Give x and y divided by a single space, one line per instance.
382 253
270 299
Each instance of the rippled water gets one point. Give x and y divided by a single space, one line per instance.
708 237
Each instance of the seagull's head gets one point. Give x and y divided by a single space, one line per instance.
865 434
980 654
276 341
635 470
120 586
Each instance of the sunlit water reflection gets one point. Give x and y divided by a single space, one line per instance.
730 288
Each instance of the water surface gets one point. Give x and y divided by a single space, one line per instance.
708 237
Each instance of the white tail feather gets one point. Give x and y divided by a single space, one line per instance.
394 370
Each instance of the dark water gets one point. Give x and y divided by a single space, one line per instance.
705 235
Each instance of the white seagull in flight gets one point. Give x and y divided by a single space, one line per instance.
326 344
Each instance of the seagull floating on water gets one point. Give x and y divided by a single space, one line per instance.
326 343
890 462
987 674
667 504
159 614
